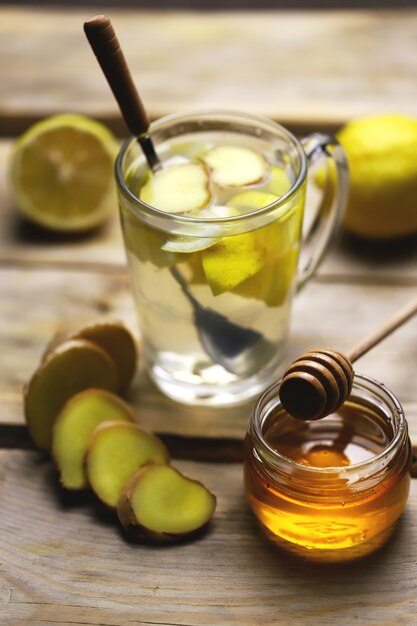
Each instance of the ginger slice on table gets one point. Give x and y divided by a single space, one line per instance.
117 340
73 366
72 429
114 338
160 504
116 450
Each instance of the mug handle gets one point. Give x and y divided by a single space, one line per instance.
321 227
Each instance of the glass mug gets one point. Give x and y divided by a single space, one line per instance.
213 290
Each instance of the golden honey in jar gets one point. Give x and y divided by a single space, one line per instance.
331 489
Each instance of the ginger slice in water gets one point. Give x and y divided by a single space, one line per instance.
115 451
177 188
73 366
160 504
72 429
235 166
117 341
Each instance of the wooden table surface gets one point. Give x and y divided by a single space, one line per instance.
61 561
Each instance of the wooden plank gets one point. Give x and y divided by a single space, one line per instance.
22 245
223 4
33 305
63 562
309 69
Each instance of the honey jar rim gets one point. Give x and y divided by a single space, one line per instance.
279 461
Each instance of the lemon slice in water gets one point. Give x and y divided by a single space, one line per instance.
61 173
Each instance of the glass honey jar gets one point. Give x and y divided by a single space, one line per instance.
332 489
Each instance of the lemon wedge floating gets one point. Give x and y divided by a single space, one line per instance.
248 201
259 264
61 173
273 282
235 258
279 182
231 261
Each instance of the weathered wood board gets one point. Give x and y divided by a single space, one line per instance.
22 245
336 314
64 563
303 68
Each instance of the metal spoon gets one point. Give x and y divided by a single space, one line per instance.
241 351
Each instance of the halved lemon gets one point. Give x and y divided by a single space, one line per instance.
61 173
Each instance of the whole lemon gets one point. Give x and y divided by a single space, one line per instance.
382 154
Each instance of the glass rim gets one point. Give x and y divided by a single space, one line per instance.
278 460
137 207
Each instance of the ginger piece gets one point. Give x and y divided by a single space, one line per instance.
178 188
73 366
235 166
117 341
73 427
112 337
160 504
116 450
57 338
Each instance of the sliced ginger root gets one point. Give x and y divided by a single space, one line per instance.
235 166
111 336
116 450
177 188
56 340
72 429
160 504
117 341
70 368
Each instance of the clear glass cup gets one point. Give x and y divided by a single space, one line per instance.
339 493
210 345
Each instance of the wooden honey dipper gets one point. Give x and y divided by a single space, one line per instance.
319 381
